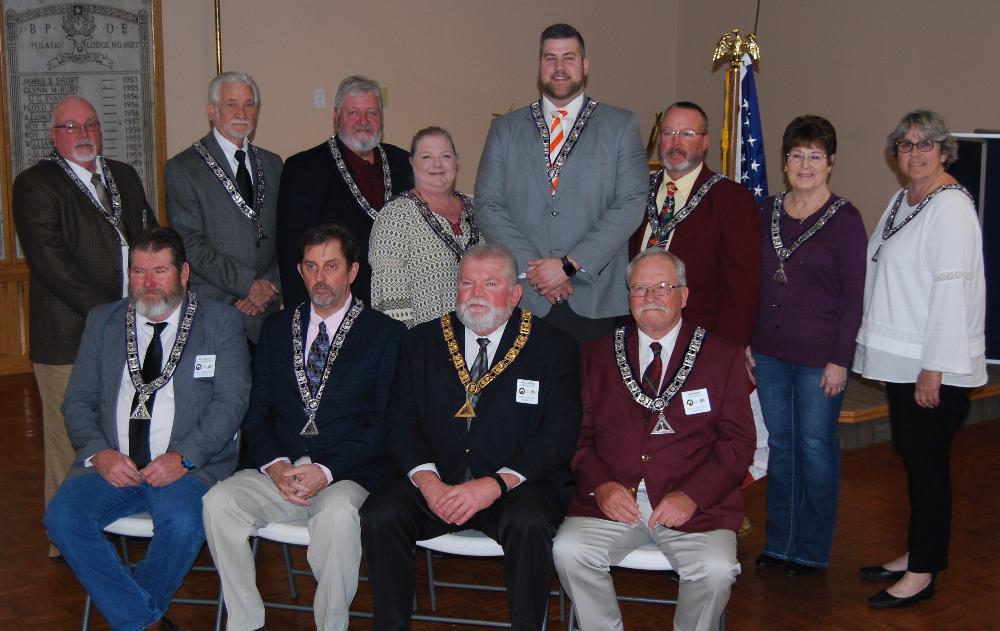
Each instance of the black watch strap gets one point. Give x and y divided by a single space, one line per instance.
503 485
568 268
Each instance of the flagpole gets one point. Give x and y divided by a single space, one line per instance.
731 47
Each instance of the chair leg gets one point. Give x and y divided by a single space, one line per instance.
123 541
86 613
287 553
430 580
219 609
572 618
722 620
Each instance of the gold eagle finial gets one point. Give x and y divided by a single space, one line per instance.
733 45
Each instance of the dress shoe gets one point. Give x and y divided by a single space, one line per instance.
766 561
879 573
795 570
167 625
885 600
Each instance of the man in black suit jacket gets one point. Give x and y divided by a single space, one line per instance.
317 467
345 180
75 238
492 455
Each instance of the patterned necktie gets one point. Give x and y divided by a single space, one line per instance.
481 364
556 138
243 182
138 428
651 378
666 212
101 191
316 361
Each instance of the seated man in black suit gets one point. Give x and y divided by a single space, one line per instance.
484 447
313 434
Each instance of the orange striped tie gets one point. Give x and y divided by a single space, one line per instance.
556 138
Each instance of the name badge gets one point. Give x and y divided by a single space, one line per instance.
527 391
696 401
204 366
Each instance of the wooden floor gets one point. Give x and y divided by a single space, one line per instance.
37 593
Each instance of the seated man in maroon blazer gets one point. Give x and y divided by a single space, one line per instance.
660 456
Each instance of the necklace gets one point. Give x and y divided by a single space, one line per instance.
351 184
888 230
779 247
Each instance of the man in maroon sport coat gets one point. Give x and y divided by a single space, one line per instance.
719 240
673 481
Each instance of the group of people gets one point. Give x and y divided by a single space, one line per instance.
445 361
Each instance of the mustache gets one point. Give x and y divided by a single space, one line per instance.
651 306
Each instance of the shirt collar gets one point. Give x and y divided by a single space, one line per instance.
667 342
82 172
333 320
227 147
572 108
172 320
493 337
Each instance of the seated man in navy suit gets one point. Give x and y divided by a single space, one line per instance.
314 434
482 420
157 393
666 438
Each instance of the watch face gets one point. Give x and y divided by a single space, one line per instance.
187 464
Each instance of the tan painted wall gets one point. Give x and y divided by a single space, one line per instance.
444 62
860 63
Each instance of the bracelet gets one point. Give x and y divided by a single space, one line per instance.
568 268
503 485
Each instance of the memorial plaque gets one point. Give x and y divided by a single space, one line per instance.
102 51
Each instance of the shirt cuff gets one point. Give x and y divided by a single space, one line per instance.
326 472
429 466
281 459
520 478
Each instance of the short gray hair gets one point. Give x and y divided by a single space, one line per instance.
492 251
932 126
356 85
650 252
233 76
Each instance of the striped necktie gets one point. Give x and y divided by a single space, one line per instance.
556 138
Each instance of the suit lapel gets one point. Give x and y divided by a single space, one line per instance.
580 149
114 363
677 356
536 152
213 147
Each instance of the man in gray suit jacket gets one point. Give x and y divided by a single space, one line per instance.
562 183
222 197
157 393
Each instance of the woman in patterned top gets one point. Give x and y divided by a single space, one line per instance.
420 235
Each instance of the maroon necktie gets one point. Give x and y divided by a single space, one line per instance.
651 378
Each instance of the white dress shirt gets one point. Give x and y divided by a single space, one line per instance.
667 343
333 322
572 111
230 149
85 176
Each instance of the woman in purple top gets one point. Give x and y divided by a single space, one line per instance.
812 287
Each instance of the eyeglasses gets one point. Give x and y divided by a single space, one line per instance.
813 158
906 146
76 128
685 134
659 290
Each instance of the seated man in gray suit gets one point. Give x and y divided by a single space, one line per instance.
562 184
157 393
222 197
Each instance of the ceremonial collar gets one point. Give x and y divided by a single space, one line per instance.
572 109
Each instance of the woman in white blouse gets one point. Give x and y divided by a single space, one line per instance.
923 334
419 236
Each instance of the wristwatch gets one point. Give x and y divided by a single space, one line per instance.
568 268
187 464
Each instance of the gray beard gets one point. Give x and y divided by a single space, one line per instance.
358 147
489 321
161 307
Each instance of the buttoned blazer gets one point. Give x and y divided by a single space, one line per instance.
534 438
208 410
707 456
314 193
720 245
73 253
351 413
596 207
221 242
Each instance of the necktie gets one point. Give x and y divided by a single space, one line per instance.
316 361
666 212
101 191
243 182
556 138
651 378
138 428
479 367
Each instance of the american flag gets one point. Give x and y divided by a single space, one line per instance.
751 170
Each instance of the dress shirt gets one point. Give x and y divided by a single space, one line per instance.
572 111
162 423
667 343
333 322
369 176
471 350
230 149
684 186
85 175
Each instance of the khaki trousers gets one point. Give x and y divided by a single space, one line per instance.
234 509
586 547
52 380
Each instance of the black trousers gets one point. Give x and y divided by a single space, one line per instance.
523 523
923 437
582 328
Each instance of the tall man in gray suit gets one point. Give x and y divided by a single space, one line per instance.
562 183
222 196
158 390
75 212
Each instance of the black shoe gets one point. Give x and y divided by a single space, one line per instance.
879 573
796 570
885 600
765 561
167 625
